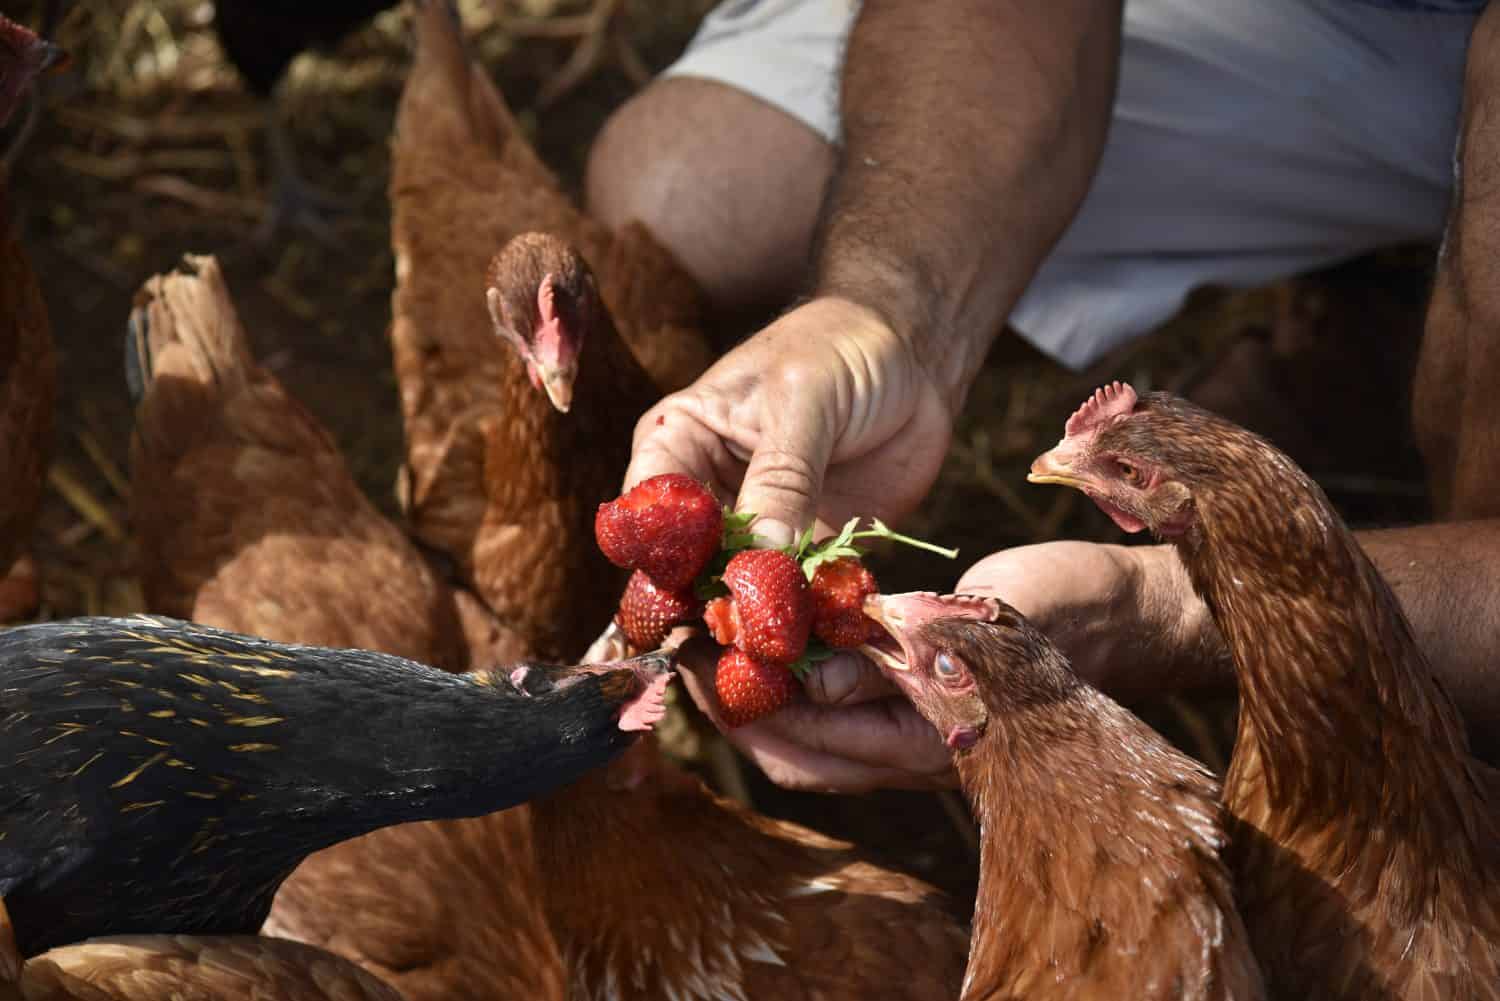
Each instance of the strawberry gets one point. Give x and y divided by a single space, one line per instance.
668 526
722 623
749 688
770 606
647 612
839 589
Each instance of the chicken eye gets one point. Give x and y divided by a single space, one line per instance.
1128 472
946 668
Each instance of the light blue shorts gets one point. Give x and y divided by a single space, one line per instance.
1251 139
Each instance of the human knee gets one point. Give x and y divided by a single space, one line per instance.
729 183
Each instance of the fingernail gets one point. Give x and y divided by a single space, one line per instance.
774 534
834 680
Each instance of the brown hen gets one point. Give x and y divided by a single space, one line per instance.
656 888
493 469
1100 876
248 519
194 968
1365 843
653 887
28 364
245 514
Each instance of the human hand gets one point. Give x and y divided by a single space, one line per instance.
854 732
825 414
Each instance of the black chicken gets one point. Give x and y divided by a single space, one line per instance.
165 777
261 38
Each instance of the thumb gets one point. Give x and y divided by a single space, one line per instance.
785 476
847 679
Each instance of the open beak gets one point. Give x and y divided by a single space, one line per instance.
886 653
1050 467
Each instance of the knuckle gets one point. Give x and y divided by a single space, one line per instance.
785 470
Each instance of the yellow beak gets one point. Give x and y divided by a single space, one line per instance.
1049 467
558 385
875 607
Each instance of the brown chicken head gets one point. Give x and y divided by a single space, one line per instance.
1139 460
542 299
23 57
927 656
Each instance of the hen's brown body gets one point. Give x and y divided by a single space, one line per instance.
1366 839
494 475
1366 845
653 887
656 888
246 515
248 519
196 968
1100 874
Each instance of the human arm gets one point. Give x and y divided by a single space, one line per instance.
971 131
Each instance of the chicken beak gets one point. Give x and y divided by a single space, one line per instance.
558 384
1050 467
878 608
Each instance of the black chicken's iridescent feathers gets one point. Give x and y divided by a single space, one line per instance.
164 777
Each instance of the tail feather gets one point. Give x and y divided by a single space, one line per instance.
185 323
449 98
245 513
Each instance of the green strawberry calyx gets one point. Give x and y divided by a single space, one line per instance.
737 536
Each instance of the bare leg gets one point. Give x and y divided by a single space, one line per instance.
1456 399
730 184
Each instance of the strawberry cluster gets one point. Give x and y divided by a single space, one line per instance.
776 611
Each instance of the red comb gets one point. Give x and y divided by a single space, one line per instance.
546 296
1115 400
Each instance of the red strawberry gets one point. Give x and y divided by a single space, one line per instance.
771 607
722 623
839 588
749 688
647 612
669 526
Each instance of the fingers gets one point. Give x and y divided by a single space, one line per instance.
785 475
886 733
861 742
847 679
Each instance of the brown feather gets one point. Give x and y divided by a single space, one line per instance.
653 886
657 888
1365 841
493 472
247 518
196 968
1100 869
246 515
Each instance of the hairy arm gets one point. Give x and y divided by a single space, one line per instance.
972 129
1447 577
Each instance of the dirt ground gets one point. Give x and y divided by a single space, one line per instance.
149 148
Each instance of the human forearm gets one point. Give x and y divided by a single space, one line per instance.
1447 577
971 132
